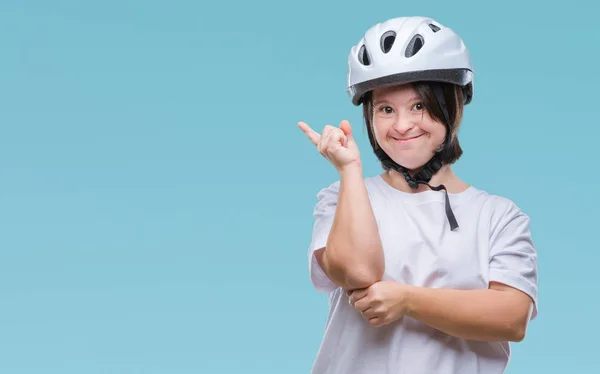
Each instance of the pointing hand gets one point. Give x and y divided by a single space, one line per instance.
335 143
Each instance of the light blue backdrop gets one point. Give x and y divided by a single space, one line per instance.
156 194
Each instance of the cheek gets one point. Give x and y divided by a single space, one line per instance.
379 135
437 133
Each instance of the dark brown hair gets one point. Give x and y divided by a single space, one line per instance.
453 95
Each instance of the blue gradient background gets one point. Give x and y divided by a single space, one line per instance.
156 194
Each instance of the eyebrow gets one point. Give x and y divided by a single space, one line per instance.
379 101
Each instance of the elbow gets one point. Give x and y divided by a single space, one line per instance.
517 332
517 336
518 327
355 276
365 273
358 277
354 273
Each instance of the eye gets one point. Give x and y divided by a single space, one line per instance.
418 106
386 109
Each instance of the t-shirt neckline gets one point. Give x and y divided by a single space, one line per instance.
428 195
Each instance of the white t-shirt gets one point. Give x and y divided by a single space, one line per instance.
493 243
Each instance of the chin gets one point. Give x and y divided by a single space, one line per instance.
410 163
411 166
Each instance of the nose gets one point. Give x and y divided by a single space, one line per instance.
404 123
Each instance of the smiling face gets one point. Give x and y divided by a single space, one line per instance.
403 128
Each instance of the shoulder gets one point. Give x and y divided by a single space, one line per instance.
503 213
327 197
372 183
499 205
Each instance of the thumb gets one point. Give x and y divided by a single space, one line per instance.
346 128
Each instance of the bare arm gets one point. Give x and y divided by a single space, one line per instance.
353 257
500 313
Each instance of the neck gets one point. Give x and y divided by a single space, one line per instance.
444 176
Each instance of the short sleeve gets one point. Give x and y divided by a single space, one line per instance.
323 214
513 256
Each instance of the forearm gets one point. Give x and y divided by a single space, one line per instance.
485 315
354 251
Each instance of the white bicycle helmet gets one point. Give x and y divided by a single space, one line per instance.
408 49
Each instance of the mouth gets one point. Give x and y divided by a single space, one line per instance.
409 139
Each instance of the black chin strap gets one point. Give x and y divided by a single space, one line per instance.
423 176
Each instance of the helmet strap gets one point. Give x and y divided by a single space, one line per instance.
423 176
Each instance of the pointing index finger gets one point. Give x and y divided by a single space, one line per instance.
312 134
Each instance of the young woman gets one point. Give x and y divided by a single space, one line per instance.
425 273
